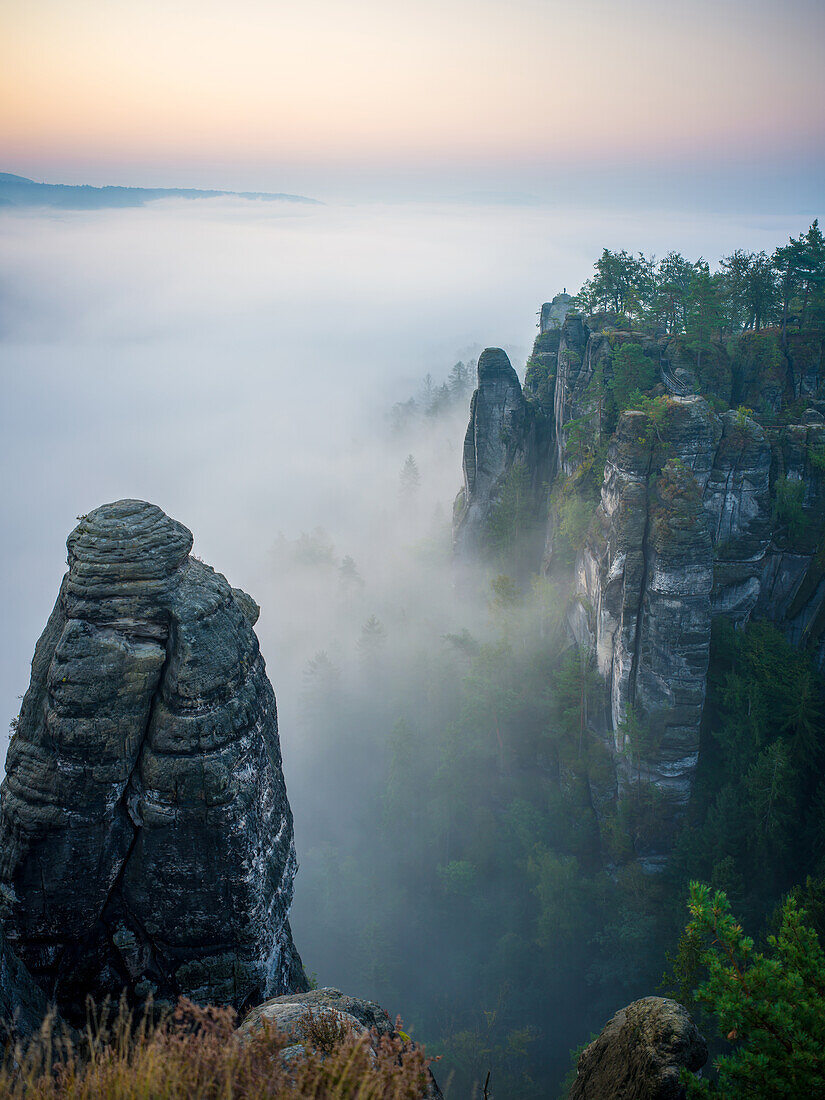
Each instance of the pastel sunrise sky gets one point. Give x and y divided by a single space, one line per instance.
320 95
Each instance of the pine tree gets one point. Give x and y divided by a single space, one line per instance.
410 478
704 314
812 271
769 1005
460 380
321 690
372 640
349 576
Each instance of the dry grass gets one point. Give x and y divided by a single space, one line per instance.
324 1030
194 1054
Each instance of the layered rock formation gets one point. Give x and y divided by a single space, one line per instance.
736 497
508 451
145 833
644 580
640 1054
496 437
700 513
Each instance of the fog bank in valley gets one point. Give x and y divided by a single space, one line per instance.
249 369
235 365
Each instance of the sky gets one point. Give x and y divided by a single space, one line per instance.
428 99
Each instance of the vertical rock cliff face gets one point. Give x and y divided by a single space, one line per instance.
23 1004
698 486
700 514
792 580
145 832
576 367
644 582
584 377
736 496
687 529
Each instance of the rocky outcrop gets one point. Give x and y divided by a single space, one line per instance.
584 381
700 514
738 532
145 833
494 440
508 459
293 1015
286 1013
686 529
640 1054
552 314
679 497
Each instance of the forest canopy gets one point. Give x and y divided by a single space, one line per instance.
750 290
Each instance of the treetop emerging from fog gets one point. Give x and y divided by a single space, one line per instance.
748 291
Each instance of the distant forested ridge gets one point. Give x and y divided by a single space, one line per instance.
19 191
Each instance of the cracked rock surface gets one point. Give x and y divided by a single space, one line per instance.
509 428
145 833
494 434
640 1054
644 581
289 1014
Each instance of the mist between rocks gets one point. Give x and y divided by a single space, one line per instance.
240 369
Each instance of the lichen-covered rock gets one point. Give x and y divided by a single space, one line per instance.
584 378
286 1012
290 1014
737 498
644 580
145 834
640 1054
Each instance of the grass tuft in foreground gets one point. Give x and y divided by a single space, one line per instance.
193 1053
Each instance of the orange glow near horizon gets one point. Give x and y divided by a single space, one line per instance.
323 83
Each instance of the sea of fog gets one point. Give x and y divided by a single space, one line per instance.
236 363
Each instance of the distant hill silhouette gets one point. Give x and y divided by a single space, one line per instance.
19 191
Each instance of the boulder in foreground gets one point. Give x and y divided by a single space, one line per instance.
640 1054
299 1014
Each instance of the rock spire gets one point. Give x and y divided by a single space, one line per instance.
145 833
